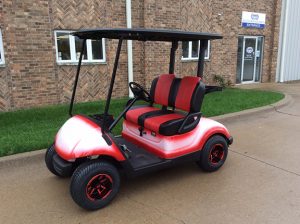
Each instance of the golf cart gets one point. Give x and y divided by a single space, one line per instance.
167 130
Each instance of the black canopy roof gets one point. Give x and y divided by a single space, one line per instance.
144 34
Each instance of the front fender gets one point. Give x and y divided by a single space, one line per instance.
81 137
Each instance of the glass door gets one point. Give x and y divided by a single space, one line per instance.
249 59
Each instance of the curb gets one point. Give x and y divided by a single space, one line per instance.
38 155
227 117
22 158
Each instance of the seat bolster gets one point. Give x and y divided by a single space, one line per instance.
172 127
197 97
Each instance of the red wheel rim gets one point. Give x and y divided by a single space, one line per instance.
99 187
216 154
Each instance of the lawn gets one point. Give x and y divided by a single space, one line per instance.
32 129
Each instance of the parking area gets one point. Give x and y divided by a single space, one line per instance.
259 183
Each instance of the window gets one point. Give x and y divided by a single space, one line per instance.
68 48
2 61
190 50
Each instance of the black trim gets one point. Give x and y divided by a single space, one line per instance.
152 89
197 97
112 81
144 34
106 138
202 49
172 57
76 78
173 92
114 123
210 89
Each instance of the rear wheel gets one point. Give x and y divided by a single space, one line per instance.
94 184
214 154
49 160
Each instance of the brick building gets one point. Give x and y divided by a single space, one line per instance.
38 57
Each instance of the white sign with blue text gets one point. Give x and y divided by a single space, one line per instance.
253 20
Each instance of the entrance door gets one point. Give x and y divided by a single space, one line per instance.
249 59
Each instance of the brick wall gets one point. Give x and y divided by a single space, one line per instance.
227 20
31 76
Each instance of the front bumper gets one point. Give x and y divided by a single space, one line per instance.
61 166
230 140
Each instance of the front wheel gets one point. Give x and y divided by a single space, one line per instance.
94 184
214 154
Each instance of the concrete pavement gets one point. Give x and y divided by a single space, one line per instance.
259 183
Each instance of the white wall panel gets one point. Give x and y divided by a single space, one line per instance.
289 50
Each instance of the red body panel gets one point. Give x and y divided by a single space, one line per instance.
170 147
81 137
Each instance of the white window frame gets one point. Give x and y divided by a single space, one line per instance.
74 59
2 60
190 58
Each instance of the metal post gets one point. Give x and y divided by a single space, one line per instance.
113 79
76 77
202 49
121 114
172 57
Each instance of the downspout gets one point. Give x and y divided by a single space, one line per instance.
282 42
129 46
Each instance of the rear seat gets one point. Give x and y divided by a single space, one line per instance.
185 94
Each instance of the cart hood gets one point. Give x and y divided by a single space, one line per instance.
81 137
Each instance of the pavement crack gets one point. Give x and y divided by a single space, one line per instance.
156 209
280 112
269 164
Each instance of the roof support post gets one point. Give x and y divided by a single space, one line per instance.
129 46
112 81
77 76
202 49
172 57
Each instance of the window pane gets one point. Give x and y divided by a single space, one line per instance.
195 49
97 51
206 52
63 46
78 45
185 49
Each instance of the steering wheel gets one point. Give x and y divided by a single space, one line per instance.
139 91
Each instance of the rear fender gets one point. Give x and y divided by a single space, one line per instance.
216 129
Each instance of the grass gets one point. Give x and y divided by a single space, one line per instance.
32 129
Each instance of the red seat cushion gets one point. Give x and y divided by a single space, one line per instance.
160 89
154 123
133 114
185 92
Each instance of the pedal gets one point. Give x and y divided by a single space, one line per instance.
126 151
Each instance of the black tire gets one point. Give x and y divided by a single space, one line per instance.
49 160
214 154
84 188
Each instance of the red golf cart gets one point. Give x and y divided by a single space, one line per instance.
167 130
